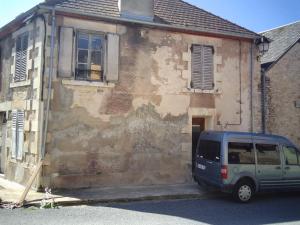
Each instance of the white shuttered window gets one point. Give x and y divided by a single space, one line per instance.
17 134
202 67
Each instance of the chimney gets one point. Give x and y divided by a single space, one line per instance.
137 9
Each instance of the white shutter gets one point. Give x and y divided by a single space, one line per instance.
21 58
112 72
14 134
66 45
202 67
208 68
20 128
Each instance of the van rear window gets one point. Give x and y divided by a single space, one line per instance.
210 150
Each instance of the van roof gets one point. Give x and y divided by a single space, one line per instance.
221 134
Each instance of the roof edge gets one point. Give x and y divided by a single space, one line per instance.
282 55
275 28
159 25
12 24
6 29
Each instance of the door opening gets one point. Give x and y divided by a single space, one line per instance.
198 127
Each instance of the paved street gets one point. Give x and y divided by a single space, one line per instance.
265 209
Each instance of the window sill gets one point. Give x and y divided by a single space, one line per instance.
20 84
88 83
198 91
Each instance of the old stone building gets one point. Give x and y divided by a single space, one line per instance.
282 70
128 85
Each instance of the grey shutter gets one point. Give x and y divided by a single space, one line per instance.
21 58
202 67
14 134
20 128
66 44
112 72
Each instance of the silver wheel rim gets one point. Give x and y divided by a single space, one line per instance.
245 193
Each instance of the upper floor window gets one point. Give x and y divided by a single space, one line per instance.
90 57
202 67
21 57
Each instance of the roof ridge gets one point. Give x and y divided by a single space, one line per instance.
276 28
217 16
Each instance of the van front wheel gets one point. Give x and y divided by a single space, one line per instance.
243 191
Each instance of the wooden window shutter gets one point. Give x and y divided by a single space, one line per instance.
66 45
112 72
202 67
21 58
14 134
20 134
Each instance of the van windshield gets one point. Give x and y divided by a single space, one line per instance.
209 150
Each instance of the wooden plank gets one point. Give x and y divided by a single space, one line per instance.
30 182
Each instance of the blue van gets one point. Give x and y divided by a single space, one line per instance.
245 163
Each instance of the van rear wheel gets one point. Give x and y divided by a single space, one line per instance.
243 191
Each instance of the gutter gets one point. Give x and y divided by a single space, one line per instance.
53 31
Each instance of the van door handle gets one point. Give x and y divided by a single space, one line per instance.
278 167
287 168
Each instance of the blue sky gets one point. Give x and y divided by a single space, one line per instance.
256 15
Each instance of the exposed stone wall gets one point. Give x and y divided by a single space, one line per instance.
138 131
24 95
283 117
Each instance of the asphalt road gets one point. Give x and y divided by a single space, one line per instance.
265 209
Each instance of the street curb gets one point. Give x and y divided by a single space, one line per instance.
126 200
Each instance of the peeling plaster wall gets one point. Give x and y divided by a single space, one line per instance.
283 117
139 130
25 96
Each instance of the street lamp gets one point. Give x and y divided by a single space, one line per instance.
263 44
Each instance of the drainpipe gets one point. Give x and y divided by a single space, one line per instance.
263 100
251 87
53 30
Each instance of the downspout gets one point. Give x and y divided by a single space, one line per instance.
251 88
263 100
53 30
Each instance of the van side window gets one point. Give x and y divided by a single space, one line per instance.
240 153
290 155
267 154
210 150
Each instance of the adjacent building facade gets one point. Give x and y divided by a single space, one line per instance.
130 87
282 70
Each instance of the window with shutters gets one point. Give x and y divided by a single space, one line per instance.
21 57
17 134
90 57
202 67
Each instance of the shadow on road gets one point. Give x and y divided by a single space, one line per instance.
264 209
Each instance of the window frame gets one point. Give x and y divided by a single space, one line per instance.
90 34
20 38
297 153
245 143
203 85
267 143
18 125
